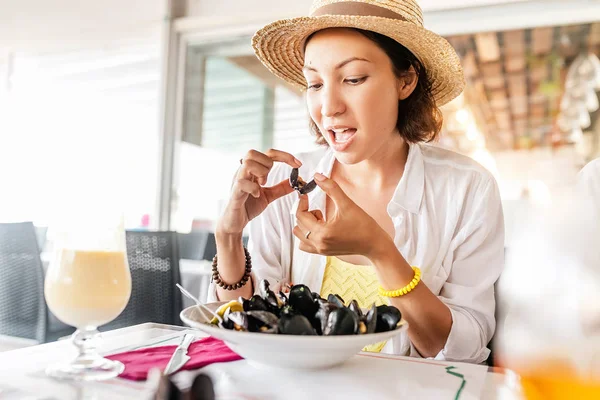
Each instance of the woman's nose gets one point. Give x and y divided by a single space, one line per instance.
332 103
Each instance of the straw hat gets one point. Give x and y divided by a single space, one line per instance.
280 45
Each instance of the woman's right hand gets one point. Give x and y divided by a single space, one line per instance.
249 197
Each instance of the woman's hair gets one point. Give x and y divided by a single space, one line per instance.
419 118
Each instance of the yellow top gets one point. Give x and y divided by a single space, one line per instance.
353 282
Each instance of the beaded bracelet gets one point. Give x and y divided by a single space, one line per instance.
406 289
217 278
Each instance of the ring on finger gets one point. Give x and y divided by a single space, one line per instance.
307 234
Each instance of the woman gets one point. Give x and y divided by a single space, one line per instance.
385 202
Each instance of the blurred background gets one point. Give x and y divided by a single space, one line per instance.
153 102
147 106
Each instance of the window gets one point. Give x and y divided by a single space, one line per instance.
232 104
80 132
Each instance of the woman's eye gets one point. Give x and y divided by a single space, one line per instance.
356 81
315 86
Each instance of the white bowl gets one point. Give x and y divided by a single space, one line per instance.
287 351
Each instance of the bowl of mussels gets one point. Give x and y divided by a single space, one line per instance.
295 330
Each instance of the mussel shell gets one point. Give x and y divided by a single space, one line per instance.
239 319
336 299
295 325
263 286
302 301
268 296
283 300
322 315
354 307
265 318
387 318
263 289
256 303
371 319
252 321
226 324
309 187
294 178
341 321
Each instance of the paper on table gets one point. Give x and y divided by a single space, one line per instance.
364 376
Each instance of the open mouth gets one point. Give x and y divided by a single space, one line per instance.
341 136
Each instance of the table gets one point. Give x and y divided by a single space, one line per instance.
22 376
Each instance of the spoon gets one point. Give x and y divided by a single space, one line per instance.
199 304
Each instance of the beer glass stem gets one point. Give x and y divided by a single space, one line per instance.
88 365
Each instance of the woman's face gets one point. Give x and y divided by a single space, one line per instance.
352 93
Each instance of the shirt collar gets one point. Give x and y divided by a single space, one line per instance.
408 194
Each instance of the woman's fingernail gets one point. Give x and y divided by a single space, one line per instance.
298 163
320 177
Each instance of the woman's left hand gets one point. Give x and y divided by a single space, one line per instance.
349 229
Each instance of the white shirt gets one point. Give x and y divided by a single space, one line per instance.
448 221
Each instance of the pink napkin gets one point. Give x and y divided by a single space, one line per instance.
202 352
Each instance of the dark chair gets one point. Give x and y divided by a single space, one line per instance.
192 245
211 247
23 310
154 263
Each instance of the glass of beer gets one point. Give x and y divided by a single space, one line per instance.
88 284
549 325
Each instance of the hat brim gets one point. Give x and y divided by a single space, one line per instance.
280 47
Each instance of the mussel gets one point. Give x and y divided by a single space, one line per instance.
253 321
387 318
370 319
273 302
336 299
238 320
283 300
299 185
341 321
354 307
287 310
256 303
303 312
265 321
295 325
302 301
322 315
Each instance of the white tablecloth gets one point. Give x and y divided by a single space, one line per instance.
362 377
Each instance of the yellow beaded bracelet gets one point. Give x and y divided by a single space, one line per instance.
406 289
